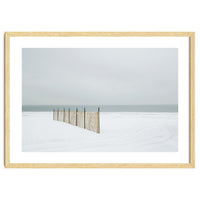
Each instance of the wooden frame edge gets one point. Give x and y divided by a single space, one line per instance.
99 165
192 99
7 99
97 34
191 163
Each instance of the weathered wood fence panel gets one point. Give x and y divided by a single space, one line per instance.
55 115
66 116
92 121
72 118
82 119
61 116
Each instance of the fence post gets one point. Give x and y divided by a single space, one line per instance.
76 116
64 115
69 115
84 117
98 121
57 114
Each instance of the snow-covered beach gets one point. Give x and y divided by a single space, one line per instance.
120 132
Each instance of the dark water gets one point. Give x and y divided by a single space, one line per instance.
103 108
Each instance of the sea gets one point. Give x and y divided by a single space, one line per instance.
102 108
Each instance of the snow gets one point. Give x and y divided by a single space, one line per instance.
119 132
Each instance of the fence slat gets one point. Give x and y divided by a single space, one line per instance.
76 117
63 114
84 117
98 120
69 115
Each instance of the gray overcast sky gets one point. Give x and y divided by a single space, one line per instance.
105 76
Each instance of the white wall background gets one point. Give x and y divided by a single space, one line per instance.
104 15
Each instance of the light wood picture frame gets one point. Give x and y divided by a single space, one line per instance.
190 35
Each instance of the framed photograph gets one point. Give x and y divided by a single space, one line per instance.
99 99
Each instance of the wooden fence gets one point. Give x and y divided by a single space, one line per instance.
82 119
